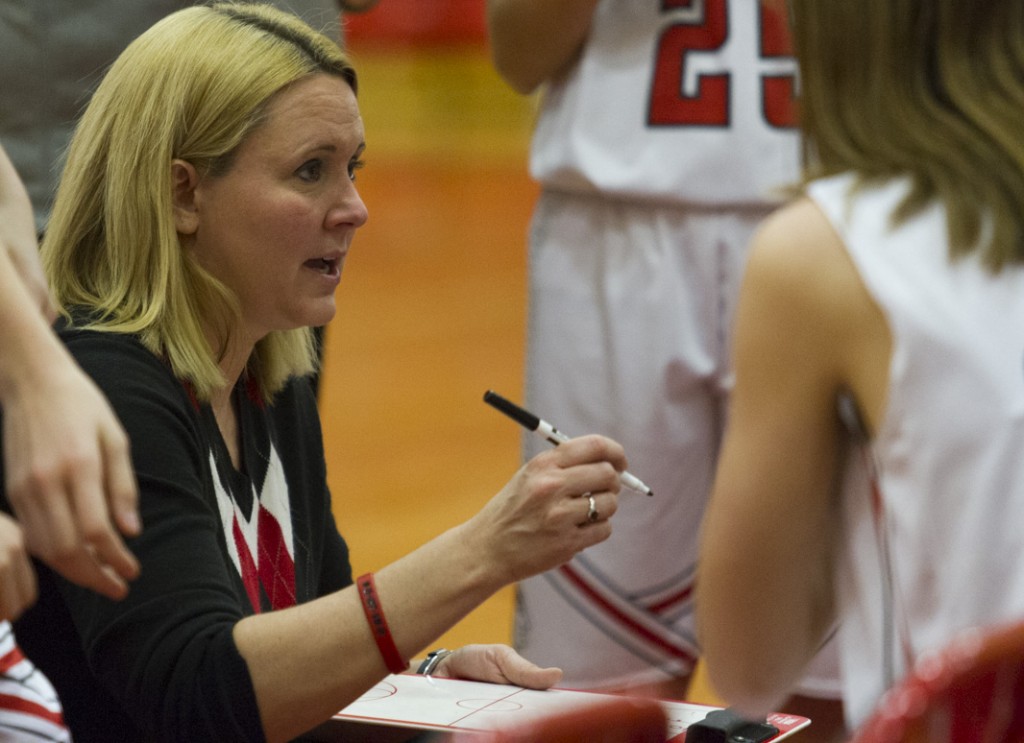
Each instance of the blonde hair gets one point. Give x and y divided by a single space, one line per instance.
192 87
933 89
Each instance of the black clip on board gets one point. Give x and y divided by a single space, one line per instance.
725 726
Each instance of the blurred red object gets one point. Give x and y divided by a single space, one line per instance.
419 23
971 692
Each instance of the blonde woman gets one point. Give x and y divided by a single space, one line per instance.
199 231
883 310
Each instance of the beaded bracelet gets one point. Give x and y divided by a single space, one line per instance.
379 625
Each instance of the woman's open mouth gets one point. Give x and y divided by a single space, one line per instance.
326 266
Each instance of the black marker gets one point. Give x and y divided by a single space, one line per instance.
549 433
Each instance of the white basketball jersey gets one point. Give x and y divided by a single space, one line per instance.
710 121
30 711
938 548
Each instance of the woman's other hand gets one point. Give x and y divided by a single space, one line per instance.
496 664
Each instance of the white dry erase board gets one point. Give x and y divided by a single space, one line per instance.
402 706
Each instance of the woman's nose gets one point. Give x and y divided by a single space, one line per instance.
349 210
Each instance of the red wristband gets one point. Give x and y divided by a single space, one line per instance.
379 625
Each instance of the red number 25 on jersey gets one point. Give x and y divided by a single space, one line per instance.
709 105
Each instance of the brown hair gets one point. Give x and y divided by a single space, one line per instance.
930 89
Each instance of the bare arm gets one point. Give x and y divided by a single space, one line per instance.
533 41
18 236
66 465
766 562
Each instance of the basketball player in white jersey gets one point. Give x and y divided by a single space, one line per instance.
665 134
895 284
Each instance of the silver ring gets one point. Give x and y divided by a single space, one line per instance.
592 511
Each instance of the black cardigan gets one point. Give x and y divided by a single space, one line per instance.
162 664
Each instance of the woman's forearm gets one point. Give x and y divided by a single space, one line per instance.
308 661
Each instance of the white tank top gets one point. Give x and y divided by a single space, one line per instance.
942 550
691 103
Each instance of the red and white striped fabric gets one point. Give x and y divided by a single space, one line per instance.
29 709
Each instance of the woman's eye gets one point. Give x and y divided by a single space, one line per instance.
353 167
311 171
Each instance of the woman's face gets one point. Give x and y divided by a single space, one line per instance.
277 226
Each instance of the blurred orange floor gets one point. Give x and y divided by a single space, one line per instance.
431 311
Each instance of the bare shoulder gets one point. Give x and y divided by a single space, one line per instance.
802 288
797 256
799 242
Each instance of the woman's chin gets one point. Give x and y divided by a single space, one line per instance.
319 315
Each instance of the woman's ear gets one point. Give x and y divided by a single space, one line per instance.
184 180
